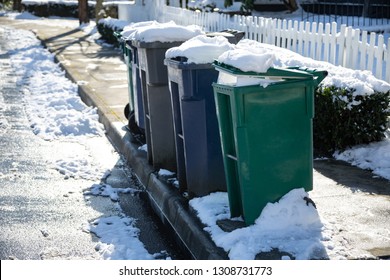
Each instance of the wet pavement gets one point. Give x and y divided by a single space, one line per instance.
44 214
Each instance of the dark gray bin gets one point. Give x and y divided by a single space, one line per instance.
198 144
158 121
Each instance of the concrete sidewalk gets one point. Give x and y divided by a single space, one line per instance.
349 198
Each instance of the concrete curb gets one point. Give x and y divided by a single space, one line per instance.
166 202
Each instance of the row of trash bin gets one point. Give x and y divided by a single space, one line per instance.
253 141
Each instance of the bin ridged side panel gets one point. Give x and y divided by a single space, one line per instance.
225 108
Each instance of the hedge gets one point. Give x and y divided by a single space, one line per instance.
343 120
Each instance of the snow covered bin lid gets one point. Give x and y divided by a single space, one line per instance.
200 50
242 67
130 29
233 76
233 36
278 73
164 34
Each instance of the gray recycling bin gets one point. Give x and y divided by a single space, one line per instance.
198 147
159 131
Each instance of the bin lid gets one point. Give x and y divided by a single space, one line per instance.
155 45
234 36
290 73
181 63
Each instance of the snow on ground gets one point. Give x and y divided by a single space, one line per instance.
119 239
298 230
289 225
4 125
108 191
374 156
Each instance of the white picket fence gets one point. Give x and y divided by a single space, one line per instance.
345 46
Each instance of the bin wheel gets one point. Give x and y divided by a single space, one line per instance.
127 111
309 201
136 131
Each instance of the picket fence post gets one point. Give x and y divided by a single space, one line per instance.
387 58
363 50
379 54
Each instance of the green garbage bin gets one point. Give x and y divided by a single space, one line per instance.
266 136
127 57
136 119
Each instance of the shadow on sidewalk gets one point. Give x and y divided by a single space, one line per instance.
86 46
352 177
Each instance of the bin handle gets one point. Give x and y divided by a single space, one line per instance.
320 75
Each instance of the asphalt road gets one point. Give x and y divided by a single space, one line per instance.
44 214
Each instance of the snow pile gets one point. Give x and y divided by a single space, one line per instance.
130 29
108 191
113 23
52 101
249 60
4 125
165 173
363 82
79 167
374 156
201 49
118 239
166 32
290 225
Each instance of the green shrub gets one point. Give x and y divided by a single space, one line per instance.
343 120
107 33
107 27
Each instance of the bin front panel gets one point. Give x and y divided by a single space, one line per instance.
157 71
178 131
151 58
275 145
161 128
